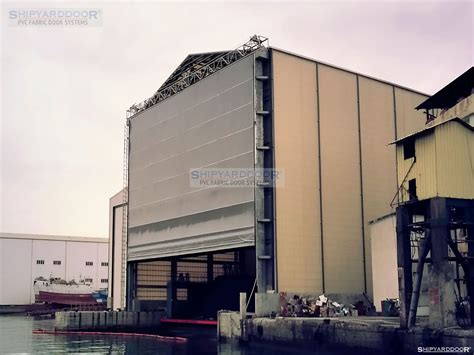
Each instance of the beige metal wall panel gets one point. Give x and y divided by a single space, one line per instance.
379 178
455 156
341 185
296 152
409 120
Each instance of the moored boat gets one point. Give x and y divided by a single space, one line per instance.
61 292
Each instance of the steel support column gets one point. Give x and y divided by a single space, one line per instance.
405 282
131 287
441 289
469 218
264 190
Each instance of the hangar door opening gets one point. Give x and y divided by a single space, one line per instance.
193 286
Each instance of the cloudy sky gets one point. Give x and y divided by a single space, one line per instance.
65 90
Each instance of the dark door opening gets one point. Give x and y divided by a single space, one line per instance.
195 286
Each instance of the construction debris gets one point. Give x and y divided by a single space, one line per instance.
320 306
391 307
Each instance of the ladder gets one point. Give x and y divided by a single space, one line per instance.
126 137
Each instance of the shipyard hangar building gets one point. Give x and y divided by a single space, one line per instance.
192 249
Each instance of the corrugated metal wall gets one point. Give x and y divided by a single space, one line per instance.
377 125
423 170
455 156
341 181
444 163
358 117
299 263
209 124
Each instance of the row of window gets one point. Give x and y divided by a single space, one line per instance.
104 281
58 262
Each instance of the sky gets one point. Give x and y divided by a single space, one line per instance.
65 90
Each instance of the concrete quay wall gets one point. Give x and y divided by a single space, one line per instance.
375 333
106 320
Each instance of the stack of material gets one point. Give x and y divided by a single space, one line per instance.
310 306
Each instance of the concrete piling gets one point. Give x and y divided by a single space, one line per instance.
107 320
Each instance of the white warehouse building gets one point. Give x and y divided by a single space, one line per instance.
24 257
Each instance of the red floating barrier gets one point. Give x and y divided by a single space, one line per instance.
189 321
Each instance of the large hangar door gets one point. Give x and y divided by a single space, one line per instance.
207 125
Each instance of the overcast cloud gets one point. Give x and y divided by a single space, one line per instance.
65 90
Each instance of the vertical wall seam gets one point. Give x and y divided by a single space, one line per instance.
364 260
395 138
323 282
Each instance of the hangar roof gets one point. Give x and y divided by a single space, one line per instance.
431 127
459 88
62 238
197 66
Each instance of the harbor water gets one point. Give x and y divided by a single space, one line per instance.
16 337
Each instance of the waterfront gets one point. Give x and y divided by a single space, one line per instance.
16 336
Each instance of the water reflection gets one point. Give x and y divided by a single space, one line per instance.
16 336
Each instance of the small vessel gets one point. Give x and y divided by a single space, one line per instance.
100 296
62 292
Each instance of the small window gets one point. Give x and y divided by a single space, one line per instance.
104 281
409 149
104 263
39 262
57 262
89 263
412 189
88 280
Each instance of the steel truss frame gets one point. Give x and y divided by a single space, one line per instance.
197 67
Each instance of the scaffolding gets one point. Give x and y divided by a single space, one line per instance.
197 67
126 145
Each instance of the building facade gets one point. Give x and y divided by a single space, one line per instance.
24 257
437 161
117 269
383 240
326 128
434 213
